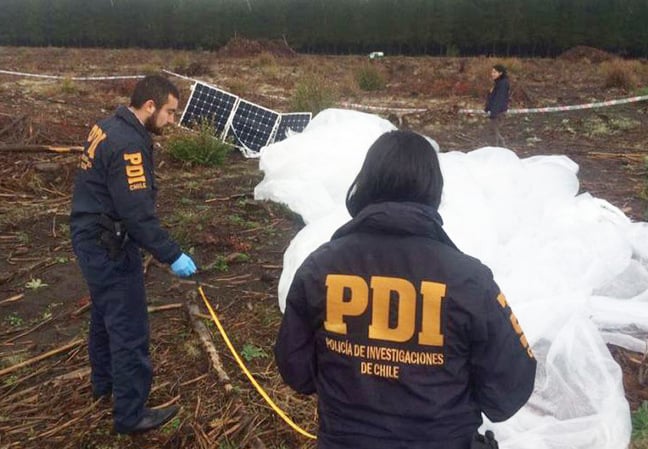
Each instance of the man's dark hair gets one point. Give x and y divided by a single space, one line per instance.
153 87
400 166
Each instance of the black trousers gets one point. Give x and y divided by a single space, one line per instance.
495 126
119 329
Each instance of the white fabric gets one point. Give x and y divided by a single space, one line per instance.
573 267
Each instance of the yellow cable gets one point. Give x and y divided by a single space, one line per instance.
260 389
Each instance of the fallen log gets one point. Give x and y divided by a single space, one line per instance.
18 148
205 338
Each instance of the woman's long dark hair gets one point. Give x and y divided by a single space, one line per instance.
400 166
501 70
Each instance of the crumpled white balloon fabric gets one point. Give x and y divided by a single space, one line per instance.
574 267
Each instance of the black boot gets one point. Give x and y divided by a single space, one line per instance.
153 418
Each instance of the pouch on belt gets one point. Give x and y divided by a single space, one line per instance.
113 236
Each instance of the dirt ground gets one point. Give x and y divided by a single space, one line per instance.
238 242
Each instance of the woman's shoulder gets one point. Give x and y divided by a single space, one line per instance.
466 266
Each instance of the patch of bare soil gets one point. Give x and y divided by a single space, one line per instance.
240 47
583 52
45 397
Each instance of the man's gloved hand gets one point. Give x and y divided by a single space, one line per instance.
184 266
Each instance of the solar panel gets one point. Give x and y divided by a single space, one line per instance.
248 125
252 126
292 122
209 103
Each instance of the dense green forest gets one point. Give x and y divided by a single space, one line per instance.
437 27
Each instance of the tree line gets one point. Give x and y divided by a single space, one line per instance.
413 27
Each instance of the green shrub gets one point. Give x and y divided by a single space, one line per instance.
620 73
68 86
267 64
264 59
369 78
237 86
313 93
251 352
200 148
640 426
640 92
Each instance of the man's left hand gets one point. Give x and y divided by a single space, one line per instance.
184 266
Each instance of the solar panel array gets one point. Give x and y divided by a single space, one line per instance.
294 122
252 126
211 104
249 125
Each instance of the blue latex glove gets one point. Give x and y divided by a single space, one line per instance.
184 266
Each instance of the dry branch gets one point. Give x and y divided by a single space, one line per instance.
29 331
151 309
169 402
272 267
12 299
82 309
176 305
13 124
77 374
39 149
147 262
30 269
48 354
201 437
18 382
205 338
227 198
57 429
633 157
193 381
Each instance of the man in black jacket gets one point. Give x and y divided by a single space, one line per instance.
405 339
113 215
497 101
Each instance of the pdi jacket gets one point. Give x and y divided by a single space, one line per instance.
116 178
405 339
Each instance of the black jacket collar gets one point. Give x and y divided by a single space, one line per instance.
398 219
129 117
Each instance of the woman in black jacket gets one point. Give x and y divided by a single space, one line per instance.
405 339
497 101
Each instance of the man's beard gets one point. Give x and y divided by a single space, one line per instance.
150 125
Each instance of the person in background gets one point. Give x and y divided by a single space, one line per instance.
405 339
113 216
497 102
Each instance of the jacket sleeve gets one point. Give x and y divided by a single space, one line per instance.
295 346
130 183
502 363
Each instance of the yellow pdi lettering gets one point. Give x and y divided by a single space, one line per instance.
349 296
133 158
516 326
433 294
95 137
382 289
338 306
135 171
